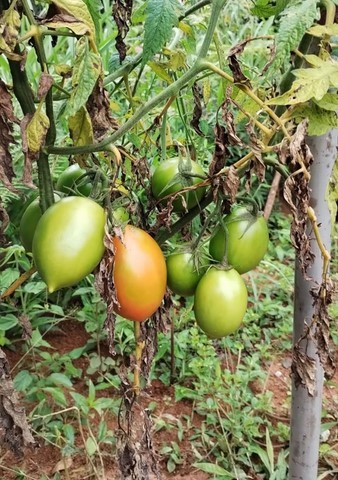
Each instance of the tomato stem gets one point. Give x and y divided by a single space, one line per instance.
139 344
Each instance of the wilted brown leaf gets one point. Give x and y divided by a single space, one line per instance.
303 369
238 75
296 192
197 113
122 10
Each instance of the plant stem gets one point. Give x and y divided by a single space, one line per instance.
138 356
171 90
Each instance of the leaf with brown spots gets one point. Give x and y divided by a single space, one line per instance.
98 108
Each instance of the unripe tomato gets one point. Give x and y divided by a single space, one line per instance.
163 183
139 274
69 183
220 302
182 275
29 221
246 240
68 241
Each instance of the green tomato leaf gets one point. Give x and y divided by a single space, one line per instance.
87 68
213 469
161 17
267 8
60 379
90 446
295 19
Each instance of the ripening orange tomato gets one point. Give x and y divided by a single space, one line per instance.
139 274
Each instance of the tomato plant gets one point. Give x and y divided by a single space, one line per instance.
220 302
29 221
244 240
69 181
139 273
182 273
68 241
167 180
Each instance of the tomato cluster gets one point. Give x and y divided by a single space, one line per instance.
220 294
67 243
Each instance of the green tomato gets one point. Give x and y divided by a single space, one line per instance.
220 302
29 221
165 181
246 240
182 276
69 183
68 241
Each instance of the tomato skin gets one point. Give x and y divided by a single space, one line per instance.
67 181
182 276
68 241
220 302
247 240
29 221
139 274
163 176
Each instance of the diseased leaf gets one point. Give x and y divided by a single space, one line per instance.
328 102
86 71
36 130
67 21
45 84
321 30
295 19
98 107
9 30
80 126
320 121
310 82
79 10
161 17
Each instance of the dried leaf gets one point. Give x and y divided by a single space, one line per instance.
303 369
197 113
26 326
323 298
105 286
67 21
63 464
14 429
7 119
228 117
122 10
296 192
257 166
4 222
231 184
78 10
238 75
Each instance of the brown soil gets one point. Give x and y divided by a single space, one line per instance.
47 458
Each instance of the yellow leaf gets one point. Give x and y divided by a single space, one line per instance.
9 28
79 28
79 10
81 129
186 29
160 71
37 129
